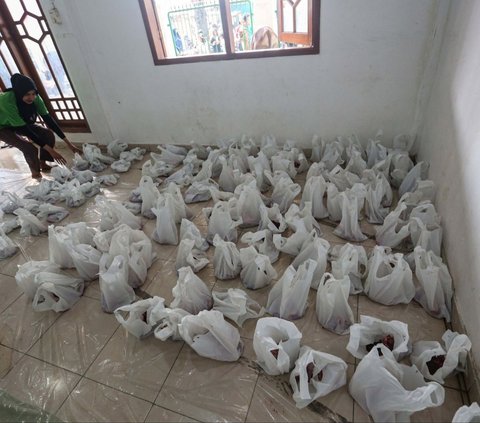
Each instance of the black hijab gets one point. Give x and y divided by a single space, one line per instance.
21 85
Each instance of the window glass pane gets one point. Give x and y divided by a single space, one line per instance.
69 104
192 28
75 102
21 30
301 16
74 115
43 71
4 73
44 25
80 114
56 64
32 7
33 27
254 24
61 104
54 105
287 16
59 115
66 115
15 8
8 58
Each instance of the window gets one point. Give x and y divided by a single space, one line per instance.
27 46
205 30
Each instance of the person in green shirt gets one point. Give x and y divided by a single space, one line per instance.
20 106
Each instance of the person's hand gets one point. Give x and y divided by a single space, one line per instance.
73 148
56 155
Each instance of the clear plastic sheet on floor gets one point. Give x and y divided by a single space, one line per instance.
13 410
82 365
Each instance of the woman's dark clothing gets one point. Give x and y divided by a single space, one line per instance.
15 138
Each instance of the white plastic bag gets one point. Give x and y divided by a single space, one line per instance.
294 243
334 203
389 280
150 194
167 321
436 362
428 237
284 192
276 343
350 260
211 336
348 228
61 240
317 250
257 270
236 305
435 290
318 146
83 176
187 255
333 310
370 332
376 192
51 213
315 375
302 219
190 293
271 219
60 174
249 203
419 171
188 230
115 147
108 180
56 292
121 166
86 260
220 223
135 318
114 287
166 229
115 214
314 191
390 391
25 276
288 297
7 247
263 242
79 163
394 230
30 225
467 414
226 259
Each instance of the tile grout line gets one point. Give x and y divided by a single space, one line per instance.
168 374
251 398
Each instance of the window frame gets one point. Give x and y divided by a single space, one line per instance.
155 38
15 43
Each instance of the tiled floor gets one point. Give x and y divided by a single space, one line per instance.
82 366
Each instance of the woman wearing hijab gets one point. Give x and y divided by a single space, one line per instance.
19 108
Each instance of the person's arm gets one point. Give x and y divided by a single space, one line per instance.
55 155
52 124
28 132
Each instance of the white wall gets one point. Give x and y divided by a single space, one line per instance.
450 141
366 77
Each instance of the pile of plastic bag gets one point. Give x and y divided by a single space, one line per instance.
252 188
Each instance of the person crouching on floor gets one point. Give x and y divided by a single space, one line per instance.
19 107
